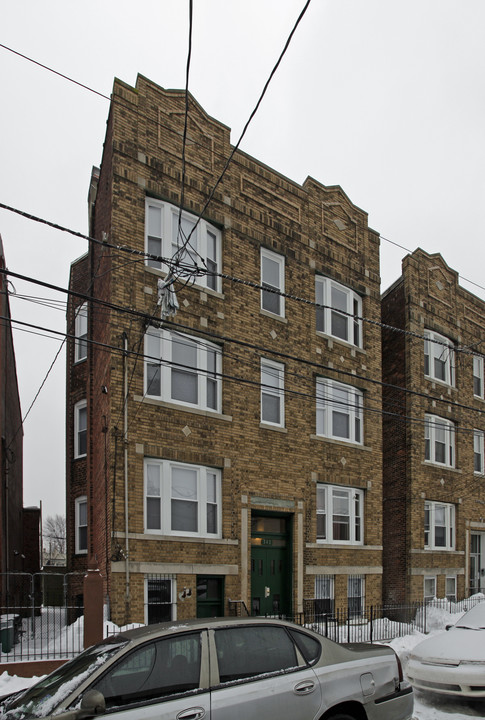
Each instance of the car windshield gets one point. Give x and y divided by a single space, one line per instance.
43 697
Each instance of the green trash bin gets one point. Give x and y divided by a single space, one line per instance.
6 633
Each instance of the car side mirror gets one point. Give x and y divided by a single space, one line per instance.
448 627
92 703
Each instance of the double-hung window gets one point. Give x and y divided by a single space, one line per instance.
478 376
478 456
339 311
429 588
339 411
182 499
81 525
195 243
183 369
272 393
81 332
439 358
273 282
439 440
439 526
340 514
80 429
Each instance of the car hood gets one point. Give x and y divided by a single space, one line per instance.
452 646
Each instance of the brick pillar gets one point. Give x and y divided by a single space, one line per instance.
93 606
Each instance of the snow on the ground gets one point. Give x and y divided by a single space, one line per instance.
426 707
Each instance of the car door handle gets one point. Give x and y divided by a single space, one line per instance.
195 713
304 688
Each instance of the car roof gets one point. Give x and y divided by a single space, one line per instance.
168 628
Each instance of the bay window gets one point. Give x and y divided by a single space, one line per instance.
272 393
182 499
81 333
439 440
340 514
183 369
439 358
339 311
339 411
439 526
273 282
165 238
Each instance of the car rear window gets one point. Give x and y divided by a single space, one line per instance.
309 647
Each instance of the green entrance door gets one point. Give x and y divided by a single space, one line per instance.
270 569
210 596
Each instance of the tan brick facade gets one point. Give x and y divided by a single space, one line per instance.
427 301
268 473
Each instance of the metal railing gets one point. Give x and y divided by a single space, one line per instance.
39 619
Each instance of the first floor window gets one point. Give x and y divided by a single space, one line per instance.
439 360
183 369
272 393
273 282
80 429
478 376
324 595
451 588
340 514
439 437
439 526
159 599
339 311
355 595
81 525
182 499
478 451
339 411
429 588
81 332
195 242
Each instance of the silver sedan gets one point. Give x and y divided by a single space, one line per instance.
221 669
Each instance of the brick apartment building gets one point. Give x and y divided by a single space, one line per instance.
230 453
19 526
433 432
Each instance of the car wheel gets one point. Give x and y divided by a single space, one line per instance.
342 716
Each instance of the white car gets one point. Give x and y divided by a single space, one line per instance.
224 669
452 662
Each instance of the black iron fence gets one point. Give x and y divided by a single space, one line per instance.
40 618
373 623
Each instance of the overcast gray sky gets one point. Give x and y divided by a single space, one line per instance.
383 97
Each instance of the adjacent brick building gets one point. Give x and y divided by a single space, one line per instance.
433 434
231 453
19 527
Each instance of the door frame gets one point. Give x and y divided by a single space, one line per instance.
288 548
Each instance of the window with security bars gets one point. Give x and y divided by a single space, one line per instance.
324 603
355 595
160 599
